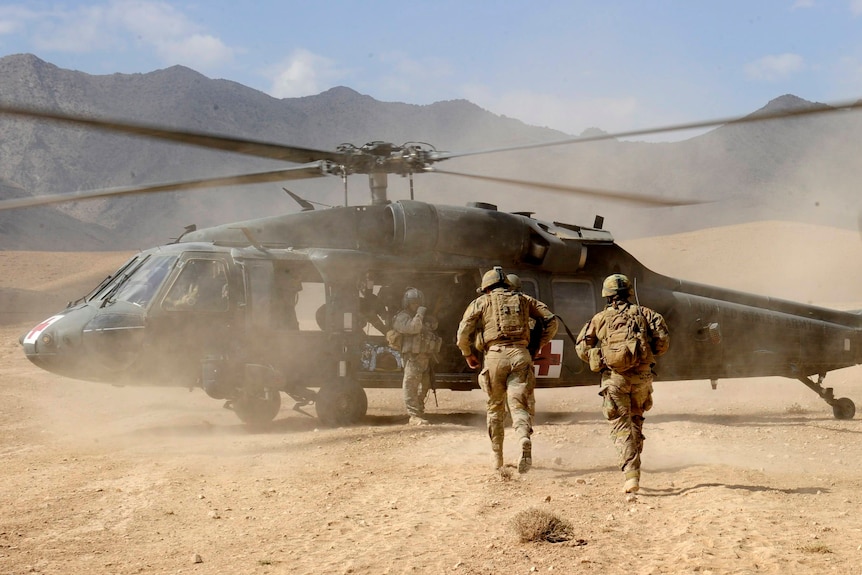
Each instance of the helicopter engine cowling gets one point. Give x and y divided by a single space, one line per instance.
486 233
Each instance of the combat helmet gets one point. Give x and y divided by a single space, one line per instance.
492 278
616 284
411 295
514 281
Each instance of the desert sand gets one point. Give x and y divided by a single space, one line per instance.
753 477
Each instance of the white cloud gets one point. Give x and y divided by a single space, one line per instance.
79 31
201 52
120 25
14 18
302 74
775 67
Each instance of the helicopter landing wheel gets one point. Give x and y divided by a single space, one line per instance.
341 403
257 409
843 408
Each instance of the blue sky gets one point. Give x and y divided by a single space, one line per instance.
568 65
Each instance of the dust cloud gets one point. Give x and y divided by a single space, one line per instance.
755 476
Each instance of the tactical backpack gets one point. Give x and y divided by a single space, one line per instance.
510 318
624 344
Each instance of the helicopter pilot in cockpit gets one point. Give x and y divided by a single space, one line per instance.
201 286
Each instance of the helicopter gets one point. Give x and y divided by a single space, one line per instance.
296 304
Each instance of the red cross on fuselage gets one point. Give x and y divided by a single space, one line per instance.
545 359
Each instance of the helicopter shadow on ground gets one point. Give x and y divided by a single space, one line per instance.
289 423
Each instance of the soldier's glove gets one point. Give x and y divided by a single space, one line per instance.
421 310
472 361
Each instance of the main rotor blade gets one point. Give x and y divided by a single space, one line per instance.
304 155
313 170
755 117
627 197
211 141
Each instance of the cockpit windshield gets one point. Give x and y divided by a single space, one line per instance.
139 281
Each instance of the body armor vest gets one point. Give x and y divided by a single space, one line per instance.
509 321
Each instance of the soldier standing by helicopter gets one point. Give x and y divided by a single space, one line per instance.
419 346
622 342
498 321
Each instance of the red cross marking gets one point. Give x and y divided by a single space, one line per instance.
545 359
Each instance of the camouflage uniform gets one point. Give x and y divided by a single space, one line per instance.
418 348
506 374
626 396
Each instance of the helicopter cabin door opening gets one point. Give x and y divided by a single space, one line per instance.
286 317
573 301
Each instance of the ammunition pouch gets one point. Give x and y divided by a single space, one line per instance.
595 359
430 343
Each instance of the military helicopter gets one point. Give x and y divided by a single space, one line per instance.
296 304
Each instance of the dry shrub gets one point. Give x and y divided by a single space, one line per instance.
537 525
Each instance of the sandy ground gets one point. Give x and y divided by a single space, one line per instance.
754 477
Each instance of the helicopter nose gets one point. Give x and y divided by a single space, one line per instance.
54 344
41 335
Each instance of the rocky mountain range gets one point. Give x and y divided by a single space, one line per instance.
799 169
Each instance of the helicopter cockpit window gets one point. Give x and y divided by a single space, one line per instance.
529 287
201 286
111 284
143 283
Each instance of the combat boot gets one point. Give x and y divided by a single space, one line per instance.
632 483
418 420
497 459
526 460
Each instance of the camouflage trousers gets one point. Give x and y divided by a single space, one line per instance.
416 383
508 380
624 401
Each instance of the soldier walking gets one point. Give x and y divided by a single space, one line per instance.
497 323
622 342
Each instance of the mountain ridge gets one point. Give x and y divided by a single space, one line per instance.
801 169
